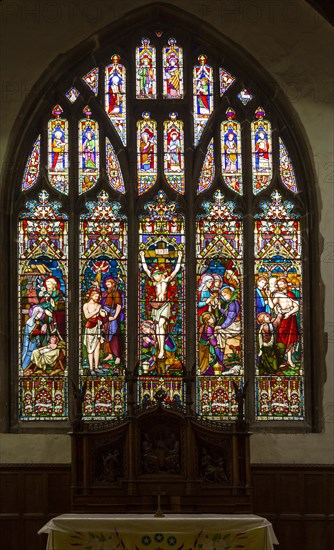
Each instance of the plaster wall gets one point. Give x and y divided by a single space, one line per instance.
296 47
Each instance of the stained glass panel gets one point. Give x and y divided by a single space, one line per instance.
146 76
72 95
103 267
32 168
115 90
278 312
172 58
244 96
261 152
42 307
58 151
231 152
208 170
91 79
146 153
114 171
286 168
219 252
161 299
225 80
203 96
89 153
174 153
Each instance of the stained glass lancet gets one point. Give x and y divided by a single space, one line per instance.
103 268
89 153
146 153
115 96
208 169
203 96
32 168
174 153
91 79
42 307
146 72
219 252
114 171
172 70
231 152
261 151
286 168
58 151
278 312
161 300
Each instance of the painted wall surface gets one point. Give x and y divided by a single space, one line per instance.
296 47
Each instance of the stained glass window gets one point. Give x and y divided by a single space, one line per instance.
278 312
103 268
219 253
115 90
286 168
203 96
32 168
91 79
58 151
174 152
173 70
261 152
231 152
114 172
214 265
146 77
208 169
225 80
89 164
161 326
146 153
43 272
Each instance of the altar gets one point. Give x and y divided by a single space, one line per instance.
170 532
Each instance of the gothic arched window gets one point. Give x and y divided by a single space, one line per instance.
162 229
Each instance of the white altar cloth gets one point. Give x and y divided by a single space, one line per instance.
171 532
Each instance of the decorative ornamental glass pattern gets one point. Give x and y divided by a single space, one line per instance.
208 169
287 172
114 171
32 168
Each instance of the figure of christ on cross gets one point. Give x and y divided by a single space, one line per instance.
161 307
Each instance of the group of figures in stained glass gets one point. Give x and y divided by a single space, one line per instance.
162 312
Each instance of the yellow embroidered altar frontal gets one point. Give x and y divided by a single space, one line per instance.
171 532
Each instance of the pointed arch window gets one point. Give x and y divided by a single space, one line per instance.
170 220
